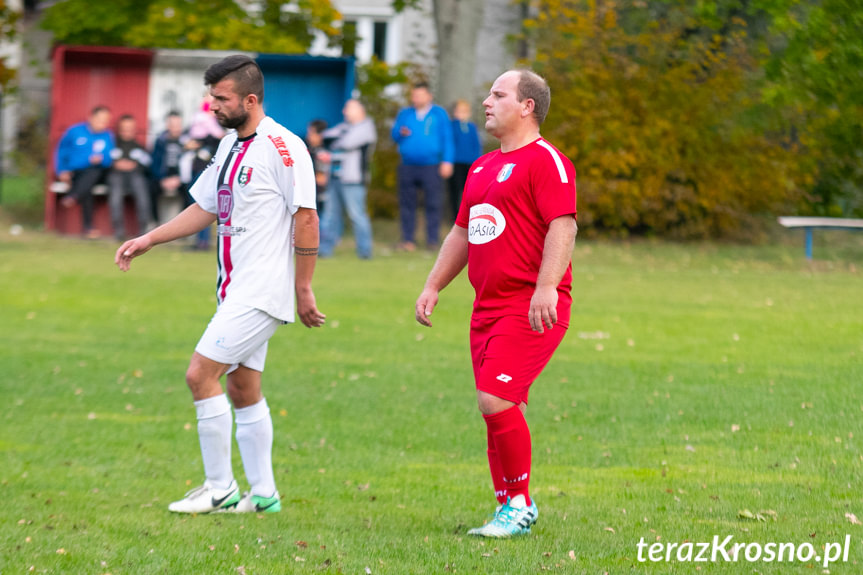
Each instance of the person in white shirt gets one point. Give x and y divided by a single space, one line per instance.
260 188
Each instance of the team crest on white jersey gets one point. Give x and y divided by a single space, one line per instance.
245 175
485 224
224 204
505 172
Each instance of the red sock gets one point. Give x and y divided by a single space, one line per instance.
511 437
496 469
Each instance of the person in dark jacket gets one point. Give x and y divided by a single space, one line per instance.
128 176
165 169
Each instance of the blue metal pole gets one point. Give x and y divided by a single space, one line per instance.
808 243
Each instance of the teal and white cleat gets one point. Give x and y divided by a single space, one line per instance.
512 519
206 499
256 504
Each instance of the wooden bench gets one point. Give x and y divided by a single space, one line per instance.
61 188
809 224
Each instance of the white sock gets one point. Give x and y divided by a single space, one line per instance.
255 438
214 433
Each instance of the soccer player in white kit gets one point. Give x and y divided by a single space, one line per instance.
260 188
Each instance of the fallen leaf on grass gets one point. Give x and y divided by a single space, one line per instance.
852 519
609 529
760 516
572 554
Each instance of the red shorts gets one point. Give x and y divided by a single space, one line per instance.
508 356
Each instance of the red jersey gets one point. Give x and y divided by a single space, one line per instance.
509 200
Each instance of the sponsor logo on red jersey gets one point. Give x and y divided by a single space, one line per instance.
485 224
282 148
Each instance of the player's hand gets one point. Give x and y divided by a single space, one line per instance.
543 309
307 309
445 169
130 250
425 306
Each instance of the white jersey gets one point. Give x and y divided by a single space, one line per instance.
255 186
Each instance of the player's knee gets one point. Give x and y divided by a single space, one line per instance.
489 404
193 375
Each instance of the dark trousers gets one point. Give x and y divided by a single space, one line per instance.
121 184
82 191
456 187
411 178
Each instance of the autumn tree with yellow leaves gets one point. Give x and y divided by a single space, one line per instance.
658 116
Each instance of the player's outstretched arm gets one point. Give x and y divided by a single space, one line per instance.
450 261
306 238
556 255
190 221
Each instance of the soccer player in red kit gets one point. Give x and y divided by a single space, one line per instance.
515 231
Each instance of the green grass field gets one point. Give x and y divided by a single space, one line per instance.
697 382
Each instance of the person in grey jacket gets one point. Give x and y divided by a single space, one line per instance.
351 143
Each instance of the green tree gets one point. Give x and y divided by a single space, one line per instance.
815 81
264 26
8 32
660 120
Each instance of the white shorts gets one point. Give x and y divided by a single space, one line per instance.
238 335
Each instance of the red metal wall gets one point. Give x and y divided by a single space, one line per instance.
85 77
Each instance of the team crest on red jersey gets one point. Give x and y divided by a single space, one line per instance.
245 175
505 172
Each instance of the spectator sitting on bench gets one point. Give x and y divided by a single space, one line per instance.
165 170
128 175
83 156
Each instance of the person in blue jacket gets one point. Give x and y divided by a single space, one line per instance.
83 156
467 150
424 137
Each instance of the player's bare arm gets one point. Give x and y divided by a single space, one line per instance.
556 255
306 238
450 261
190 221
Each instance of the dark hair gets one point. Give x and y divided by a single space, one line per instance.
245 72
421 86
99 108
318 125
174 114
532 85
125 117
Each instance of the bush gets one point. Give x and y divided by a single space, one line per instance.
660 124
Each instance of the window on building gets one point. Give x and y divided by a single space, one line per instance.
379 48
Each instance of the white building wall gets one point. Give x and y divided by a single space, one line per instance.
412 37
